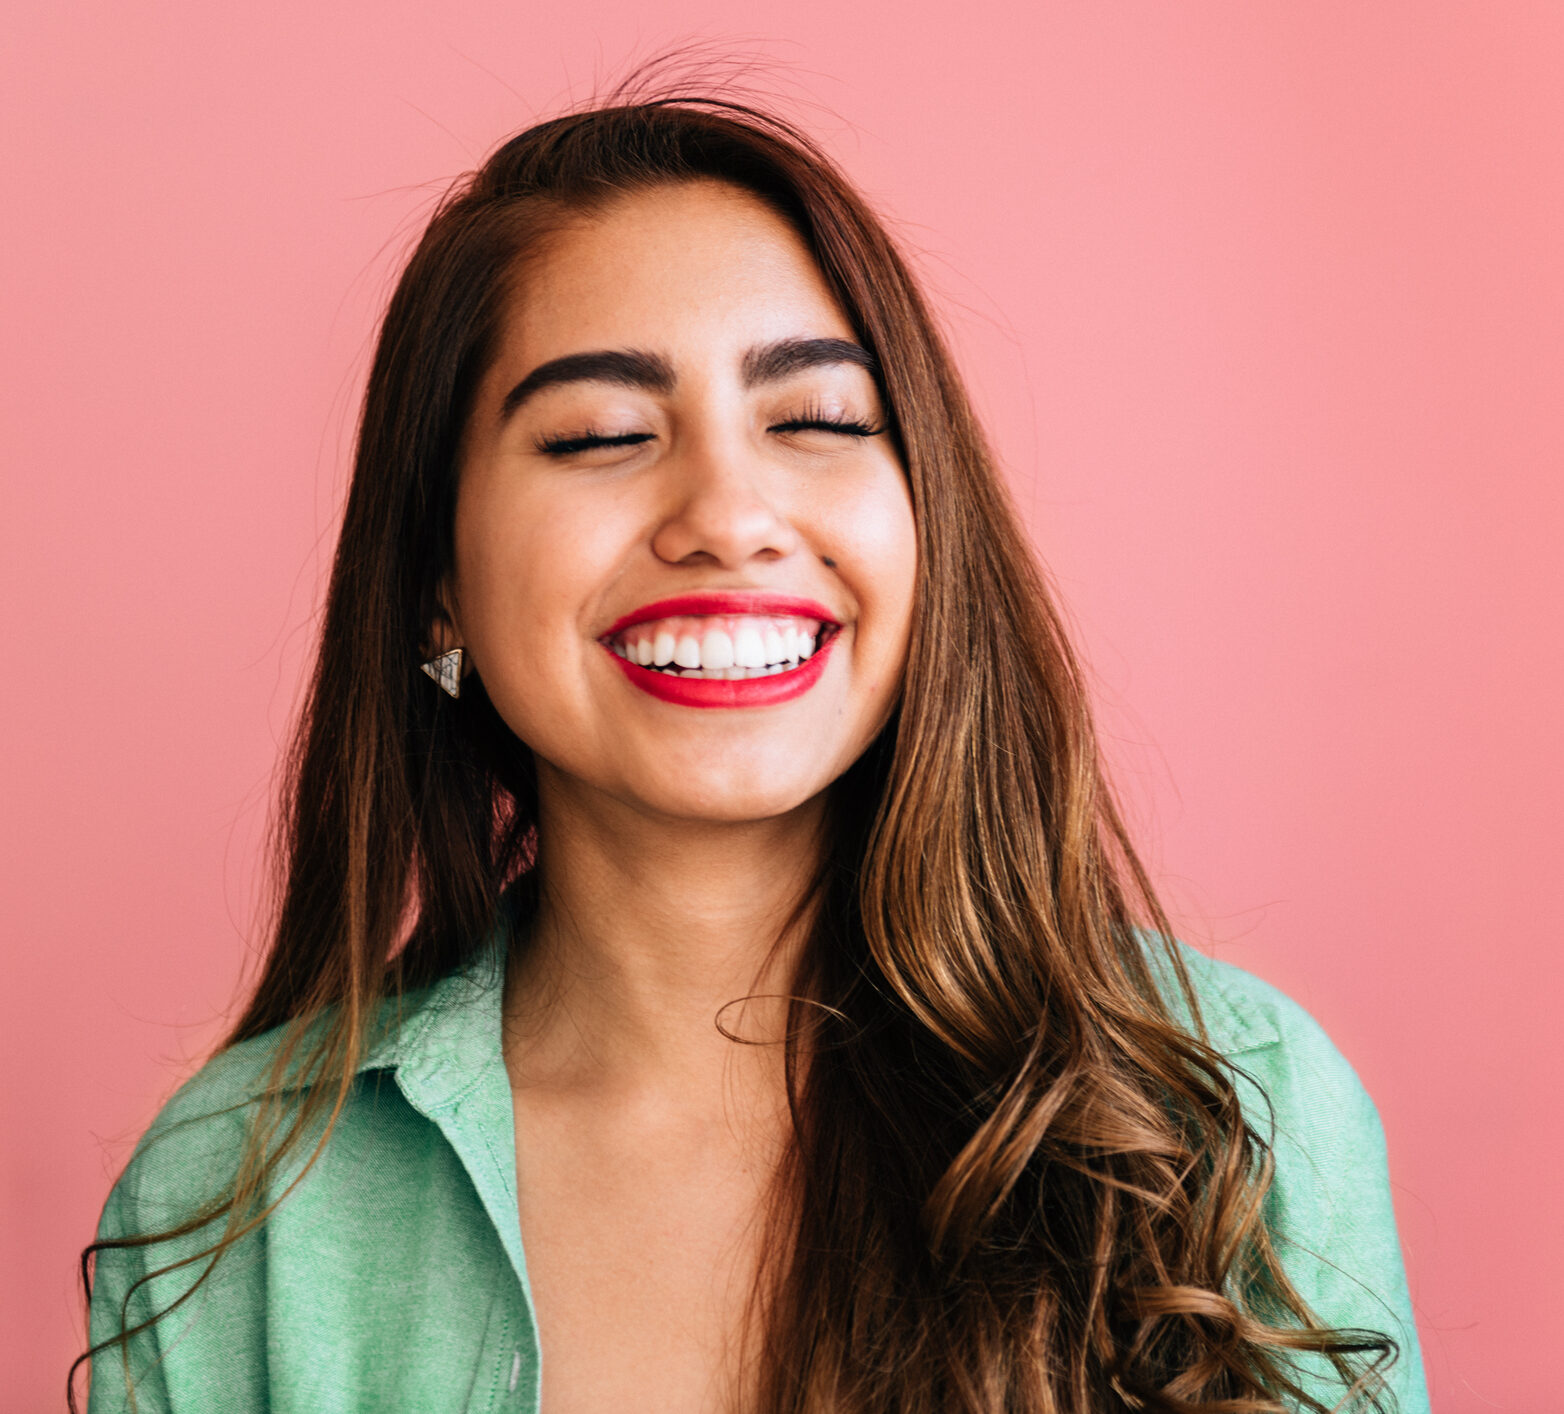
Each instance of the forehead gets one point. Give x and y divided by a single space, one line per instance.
700 263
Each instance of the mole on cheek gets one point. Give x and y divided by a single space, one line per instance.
828 562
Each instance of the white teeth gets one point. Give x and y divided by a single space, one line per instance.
721 646
734 674
716 649
749 648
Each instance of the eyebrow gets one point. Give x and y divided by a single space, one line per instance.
768 363
635 368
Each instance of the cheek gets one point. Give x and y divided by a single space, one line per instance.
502 581
520 555
879 537
874 542
524 571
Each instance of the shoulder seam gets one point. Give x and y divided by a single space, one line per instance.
1235 1025
1249 1032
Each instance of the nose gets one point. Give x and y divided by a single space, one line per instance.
723 509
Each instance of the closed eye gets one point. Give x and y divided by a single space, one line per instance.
586 441
575 443
847 428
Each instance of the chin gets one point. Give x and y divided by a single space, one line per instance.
730 801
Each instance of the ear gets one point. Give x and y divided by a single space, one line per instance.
442 631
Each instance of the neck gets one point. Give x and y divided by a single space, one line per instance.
650 933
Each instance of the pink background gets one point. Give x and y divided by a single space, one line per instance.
1263 303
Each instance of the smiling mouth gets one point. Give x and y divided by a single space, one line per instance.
725 647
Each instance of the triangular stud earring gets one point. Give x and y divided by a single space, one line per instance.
446 669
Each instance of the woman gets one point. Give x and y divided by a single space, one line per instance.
698 866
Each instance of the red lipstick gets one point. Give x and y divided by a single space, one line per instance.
729 602
761 691
729 692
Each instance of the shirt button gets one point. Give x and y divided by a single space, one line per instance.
515 1371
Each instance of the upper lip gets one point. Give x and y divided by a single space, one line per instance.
729 601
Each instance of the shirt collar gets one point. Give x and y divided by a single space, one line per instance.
441 1040
444 1047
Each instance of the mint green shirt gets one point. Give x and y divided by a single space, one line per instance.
393 1277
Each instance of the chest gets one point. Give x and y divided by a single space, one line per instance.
643 1242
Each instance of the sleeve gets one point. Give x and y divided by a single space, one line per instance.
187 1357
128 1375
1329 1207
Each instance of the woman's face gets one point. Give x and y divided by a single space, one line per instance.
684 543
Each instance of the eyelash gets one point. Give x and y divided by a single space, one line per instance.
810 421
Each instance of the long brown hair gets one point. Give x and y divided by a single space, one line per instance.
1016 1182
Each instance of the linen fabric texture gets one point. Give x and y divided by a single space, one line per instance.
392 1277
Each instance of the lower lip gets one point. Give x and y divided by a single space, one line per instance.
728 692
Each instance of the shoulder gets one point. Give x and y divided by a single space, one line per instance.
1302 1097
190 1153
1328 1205
1299 1092
1270 1039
